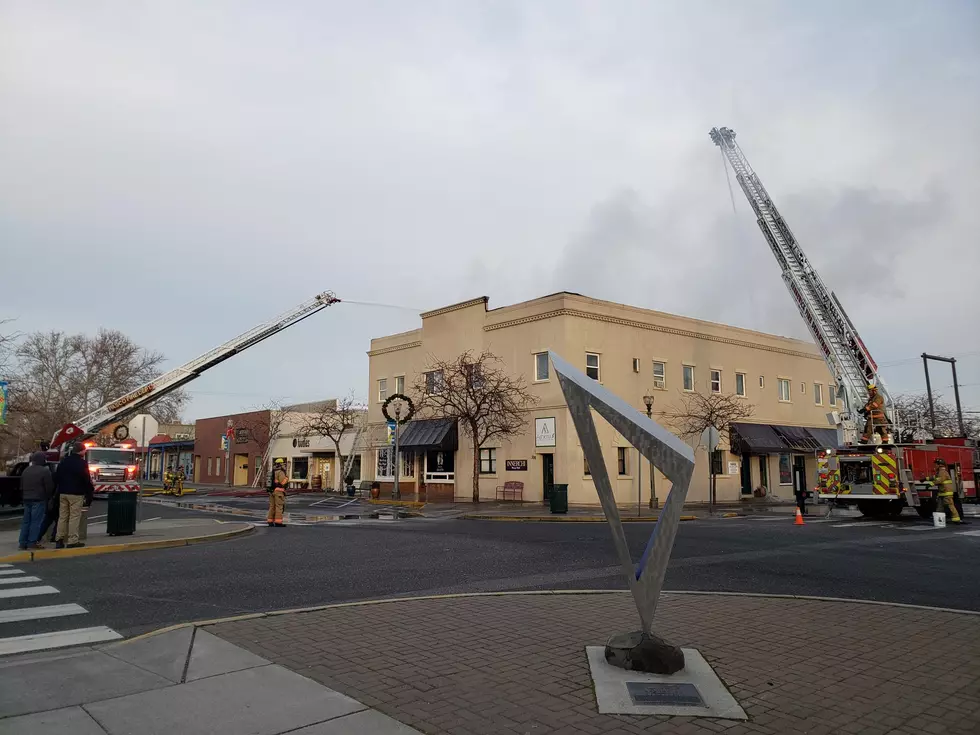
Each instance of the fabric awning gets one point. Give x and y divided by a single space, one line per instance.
767 438
428 434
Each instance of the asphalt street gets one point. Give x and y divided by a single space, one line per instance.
905 561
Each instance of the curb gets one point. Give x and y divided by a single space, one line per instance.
155 492
30 556
527 593
401 503
562 519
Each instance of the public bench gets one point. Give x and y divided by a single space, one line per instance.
511 490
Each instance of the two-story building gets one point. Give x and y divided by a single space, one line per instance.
634 353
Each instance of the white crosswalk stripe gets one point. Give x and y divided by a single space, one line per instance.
28 626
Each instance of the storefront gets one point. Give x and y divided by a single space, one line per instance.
779 460
428 460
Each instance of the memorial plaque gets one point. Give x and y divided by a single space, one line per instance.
664 695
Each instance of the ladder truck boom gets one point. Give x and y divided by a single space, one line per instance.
845 353
174 379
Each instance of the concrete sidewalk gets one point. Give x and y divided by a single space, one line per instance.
151 534
185 682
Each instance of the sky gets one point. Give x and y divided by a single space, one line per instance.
183 171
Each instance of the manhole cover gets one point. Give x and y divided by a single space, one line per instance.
664 695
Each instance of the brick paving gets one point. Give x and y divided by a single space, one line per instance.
516 664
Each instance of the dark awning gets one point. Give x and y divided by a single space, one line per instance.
766 438
429 434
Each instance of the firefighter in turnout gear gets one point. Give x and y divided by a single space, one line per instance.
944 486
277 494
874 414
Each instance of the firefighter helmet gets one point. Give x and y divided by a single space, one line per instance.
279 462
940 461
872 386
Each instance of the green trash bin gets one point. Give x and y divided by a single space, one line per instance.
121 518
558 498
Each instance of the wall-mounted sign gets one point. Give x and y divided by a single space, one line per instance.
241 436
516 465
301 442
544 432
733 468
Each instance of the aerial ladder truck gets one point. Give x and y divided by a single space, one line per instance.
80 429
876 469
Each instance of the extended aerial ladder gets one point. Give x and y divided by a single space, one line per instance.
847 357
174 379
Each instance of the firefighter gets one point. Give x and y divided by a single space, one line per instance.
944 485
277 494
179 481
874 413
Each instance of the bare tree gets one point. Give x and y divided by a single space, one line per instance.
698 412
262 426
57 378
335 419
913 413
475 391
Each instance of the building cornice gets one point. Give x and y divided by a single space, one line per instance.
394 348
456 307
651 327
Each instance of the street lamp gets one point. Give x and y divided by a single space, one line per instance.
648 400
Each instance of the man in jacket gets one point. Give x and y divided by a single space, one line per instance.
76 489
37 487
277 495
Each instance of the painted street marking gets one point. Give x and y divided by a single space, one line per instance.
28 591
861 524
59 639
968 533
152 519
19 580
95 518
5 566
37 613
5 572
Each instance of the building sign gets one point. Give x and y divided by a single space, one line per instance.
301 442
516 465
390 437
544 432
3 402
138 393
241 436
733 468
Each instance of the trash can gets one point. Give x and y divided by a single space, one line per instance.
121 518
558 497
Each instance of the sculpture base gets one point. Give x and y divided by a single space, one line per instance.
639 651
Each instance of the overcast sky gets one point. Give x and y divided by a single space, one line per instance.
184 170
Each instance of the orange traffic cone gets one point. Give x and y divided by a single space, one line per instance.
799 518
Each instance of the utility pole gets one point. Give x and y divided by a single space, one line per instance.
648 400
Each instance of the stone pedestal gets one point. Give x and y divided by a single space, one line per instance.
639 651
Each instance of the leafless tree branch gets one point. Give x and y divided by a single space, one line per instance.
697 412
335 419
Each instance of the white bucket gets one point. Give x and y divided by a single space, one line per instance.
939 520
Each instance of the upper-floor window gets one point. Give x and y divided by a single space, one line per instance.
382 389
818 394
400 384
541 369
716 381
474 376
740 384
592 365
434 382
784 395
762 381
688 378
659 375
832 394
636 364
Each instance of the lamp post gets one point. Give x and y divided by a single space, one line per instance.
396 491
648 400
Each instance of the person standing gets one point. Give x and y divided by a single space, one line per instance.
37 488
277 495
944 484
76 489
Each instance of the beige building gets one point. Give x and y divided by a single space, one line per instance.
631 351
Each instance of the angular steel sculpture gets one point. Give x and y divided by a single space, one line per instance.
666 452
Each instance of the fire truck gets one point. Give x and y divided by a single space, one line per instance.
889 468
114 469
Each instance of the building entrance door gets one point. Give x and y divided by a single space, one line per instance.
197 468
746 475
241 470
547 473
799 474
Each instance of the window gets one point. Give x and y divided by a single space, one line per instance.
217 465
541 366
210 465
784 390
832 395
400 384
623 460
592 365
382 389
818 394
488 461
258 464
474 376
762 382
383 468
585 466
716 381
740 384
301 467
785 473
434 382
718 462
688 378
659 375
802 389
408 464
636 364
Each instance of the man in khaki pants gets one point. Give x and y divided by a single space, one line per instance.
74 485
277 495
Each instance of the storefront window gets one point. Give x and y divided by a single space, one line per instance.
384 466
408 464
440 465
301 467
785 472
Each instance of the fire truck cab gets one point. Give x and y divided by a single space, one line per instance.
113 469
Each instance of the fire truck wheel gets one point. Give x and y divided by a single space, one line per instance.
927 508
